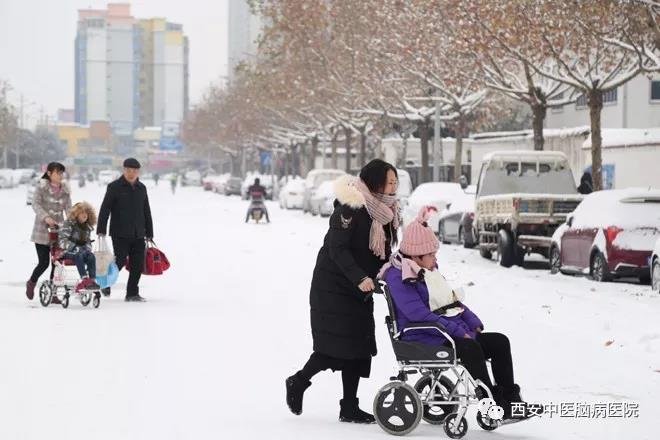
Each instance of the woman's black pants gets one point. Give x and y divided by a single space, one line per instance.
350 371
43 253
494 346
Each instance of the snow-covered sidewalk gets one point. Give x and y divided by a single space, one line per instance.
206 357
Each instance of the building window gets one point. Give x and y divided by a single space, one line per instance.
610 96
557 108
655 90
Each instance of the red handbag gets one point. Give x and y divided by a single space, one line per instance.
155 261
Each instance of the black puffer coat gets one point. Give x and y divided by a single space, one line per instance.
342 321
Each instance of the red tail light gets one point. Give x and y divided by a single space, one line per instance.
612 232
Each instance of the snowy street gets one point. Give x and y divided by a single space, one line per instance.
207 355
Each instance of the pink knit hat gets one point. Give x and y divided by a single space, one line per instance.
418 238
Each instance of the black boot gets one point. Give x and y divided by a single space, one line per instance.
350 412
295 389
105 291
512 397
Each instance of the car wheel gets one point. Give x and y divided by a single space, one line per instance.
655 275
598 268
555 260
485 253
441 233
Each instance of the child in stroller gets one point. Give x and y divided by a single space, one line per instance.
75 243
420 293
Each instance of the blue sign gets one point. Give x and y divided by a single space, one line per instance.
266 158
170 144
608 172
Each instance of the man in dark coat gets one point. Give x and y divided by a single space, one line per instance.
586 184
127 204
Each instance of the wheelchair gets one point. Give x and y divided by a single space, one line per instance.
443 393
64 281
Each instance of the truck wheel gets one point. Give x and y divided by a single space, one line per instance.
485 253
505 248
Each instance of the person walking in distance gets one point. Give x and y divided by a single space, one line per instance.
127 205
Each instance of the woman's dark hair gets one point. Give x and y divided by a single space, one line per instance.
53 166
374 174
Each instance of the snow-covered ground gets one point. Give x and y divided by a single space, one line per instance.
206 357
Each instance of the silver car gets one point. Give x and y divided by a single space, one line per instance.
314 179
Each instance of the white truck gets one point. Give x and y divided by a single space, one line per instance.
522 197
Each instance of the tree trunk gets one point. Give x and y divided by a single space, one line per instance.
347 144
295 163
538 116
312 153
423 128
404 160
333 146
458 154
595 101
363 146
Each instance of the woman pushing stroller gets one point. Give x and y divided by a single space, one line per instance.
421 294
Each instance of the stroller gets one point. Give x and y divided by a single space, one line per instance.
443 393
63 283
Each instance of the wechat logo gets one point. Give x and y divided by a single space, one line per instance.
488 408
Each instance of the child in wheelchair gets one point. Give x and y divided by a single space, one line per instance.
421 294
75 243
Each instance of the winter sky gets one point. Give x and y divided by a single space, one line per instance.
37 42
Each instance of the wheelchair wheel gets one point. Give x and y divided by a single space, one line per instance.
45 293
96 302
486 423
65 300
455 428
85 299
435 414
397 408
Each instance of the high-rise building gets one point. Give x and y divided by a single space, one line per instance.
130 72
243 30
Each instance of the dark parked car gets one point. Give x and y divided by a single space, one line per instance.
233 186
456 222
610 234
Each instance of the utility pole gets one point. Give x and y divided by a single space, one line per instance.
18 151
437 144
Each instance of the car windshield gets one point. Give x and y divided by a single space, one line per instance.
526 177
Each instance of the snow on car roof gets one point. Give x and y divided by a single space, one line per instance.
630 207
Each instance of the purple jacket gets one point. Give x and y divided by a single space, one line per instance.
411 301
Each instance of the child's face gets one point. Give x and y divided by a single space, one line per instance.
82 217
428 261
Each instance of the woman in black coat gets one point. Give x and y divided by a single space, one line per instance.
359 241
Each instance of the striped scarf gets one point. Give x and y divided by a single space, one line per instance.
383 209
